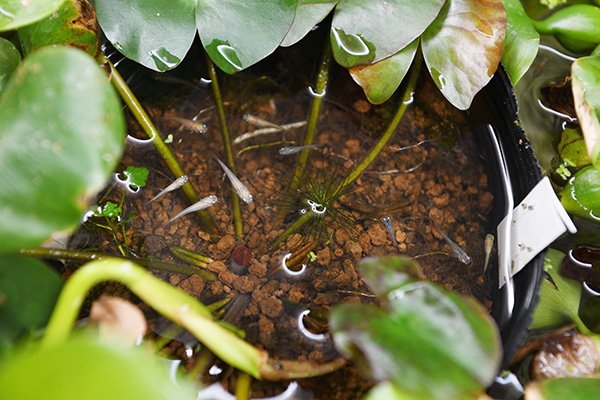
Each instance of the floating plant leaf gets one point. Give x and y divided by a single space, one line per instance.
237 34
108 210
154 33
572 149
380 80
521 42
73 24
28 291
9 59
86 368
308 14
585 74
425 335
17 13
577 27
363 32
61 134
566 388
559 298
463 46
136 177
581 196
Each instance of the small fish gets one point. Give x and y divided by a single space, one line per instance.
488 245
176 184
200 205
189 124
238 186
261 123
387 222
286 151
462 256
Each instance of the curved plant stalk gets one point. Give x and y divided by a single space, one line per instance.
76 255
235 200
146 123
181 309
407 99
313 119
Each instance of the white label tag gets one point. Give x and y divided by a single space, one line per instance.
536 222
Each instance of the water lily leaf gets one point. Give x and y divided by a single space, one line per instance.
154 33
237 34
17 13
572 149
559 298
380 80
308 14
585 73
9 59
61 134
566 388
521 42
426 335
28 292
73 24
463 46
363 32
85 368
136 177
581 195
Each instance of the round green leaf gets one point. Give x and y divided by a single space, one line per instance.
85 369
17 13
463 46
308 14
73 24
28 292
585 73
61 135
581 196
380 80
9 59
154 33
566 388
363 32
237 34
521 42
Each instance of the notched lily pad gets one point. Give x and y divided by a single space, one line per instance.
73 24
61 135
308 14
463 46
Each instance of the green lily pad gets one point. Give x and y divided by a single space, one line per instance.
9 59
463 46
585 73
17 13
61 134
581 196
73 24
566 388
136 177
572 149
559 298
260 27
521 42
84 368
28 292
364 32
425 335
308 14
154 33
380 80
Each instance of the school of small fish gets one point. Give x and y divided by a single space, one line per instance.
176 184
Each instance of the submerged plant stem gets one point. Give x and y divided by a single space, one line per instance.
146 123
235 200
76 255
242 386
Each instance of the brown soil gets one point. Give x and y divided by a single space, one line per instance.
429 178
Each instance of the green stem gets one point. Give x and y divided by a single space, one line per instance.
146 123
406 100
235 200
164 298
299 223
242 386
75 255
